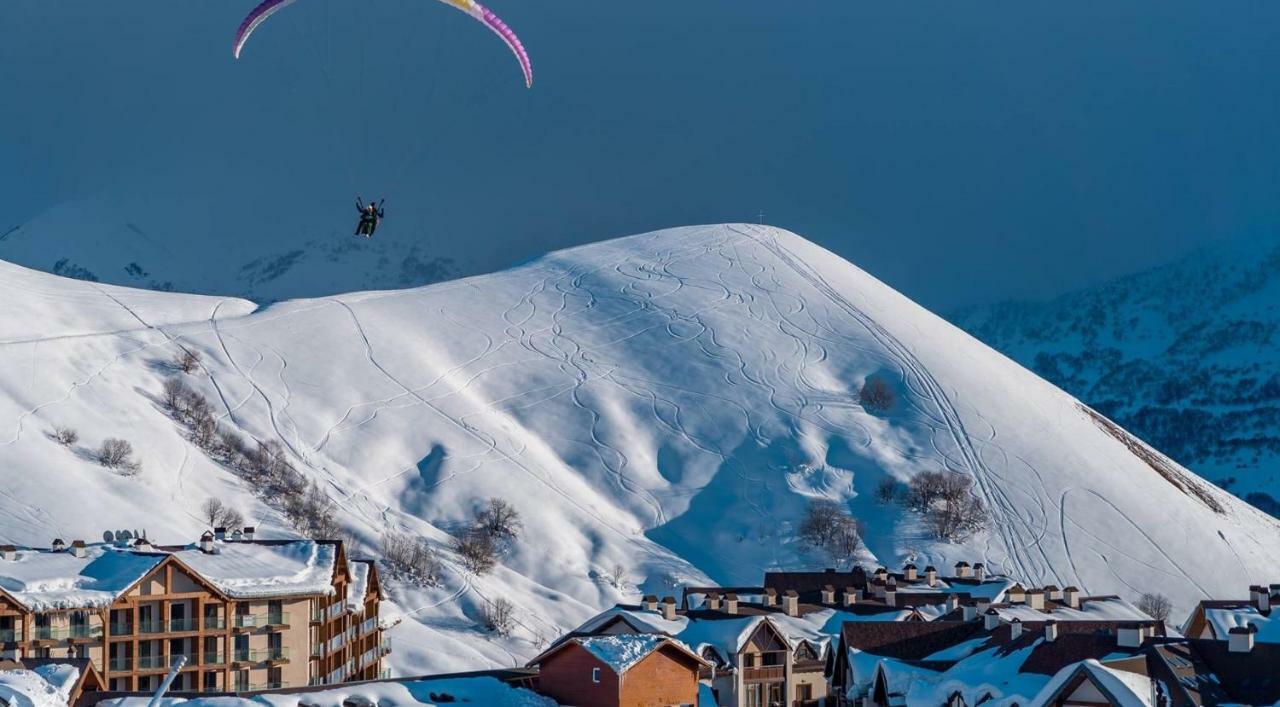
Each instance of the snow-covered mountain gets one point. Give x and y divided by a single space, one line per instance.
1186 355
667 402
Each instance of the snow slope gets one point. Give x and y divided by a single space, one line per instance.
667 402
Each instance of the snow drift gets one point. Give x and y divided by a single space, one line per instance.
667 402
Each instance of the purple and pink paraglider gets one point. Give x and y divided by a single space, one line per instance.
269 7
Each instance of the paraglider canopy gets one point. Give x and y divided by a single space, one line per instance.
481 13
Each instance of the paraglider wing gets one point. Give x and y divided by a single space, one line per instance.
270 7
256 17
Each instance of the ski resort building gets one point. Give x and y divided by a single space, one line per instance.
1215 619
627 670
244 614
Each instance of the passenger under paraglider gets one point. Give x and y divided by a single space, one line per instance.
370 216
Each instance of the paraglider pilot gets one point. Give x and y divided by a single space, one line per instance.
370 216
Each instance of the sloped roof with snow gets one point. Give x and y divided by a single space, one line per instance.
1124 688
45 686
1223 620
42 580
359 585
255 570
1094 609
620 653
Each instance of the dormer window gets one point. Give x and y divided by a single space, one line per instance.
595 675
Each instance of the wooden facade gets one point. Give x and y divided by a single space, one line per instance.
228 644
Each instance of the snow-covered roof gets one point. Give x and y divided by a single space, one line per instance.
1125 688
622 652
486 691
42 580
1096 609
45 686
256 570
1223 620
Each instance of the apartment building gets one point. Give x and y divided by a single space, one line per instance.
243 614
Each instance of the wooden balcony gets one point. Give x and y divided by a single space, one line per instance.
765 673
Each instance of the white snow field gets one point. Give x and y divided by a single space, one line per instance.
668 402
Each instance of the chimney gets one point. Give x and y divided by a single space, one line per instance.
731 603
1017 594
669 608
968 612
991 620
877 588
1129 635
1050 631
713 601
770 596
1263 602
1015 629
220 533
980 571
851 596
248 533
891 595
909 572
1052 593
983 605
882 574
953 603
206 542
58 545
828 595
931 575
78 549
791 602
8 552
1071 597
649 602
236 535
1035 599
962 569
1240 638
141 545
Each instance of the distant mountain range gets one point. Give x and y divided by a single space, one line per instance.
1186 356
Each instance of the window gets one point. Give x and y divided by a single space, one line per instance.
804 692
595 675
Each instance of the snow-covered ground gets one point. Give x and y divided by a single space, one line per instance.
668 402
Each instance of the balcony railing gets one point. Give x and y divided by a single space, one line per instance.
265 686
154 626
766 673
123 628
214 623
317 650
153 662
120 665
384 647
50 633
259 655
280 618
181 625
10 635
214 658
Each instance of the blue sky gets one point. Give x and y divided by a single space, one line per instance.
962 152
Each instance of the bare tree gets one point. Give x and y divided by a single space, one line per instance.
477 551
117 454
176 392
1157 606
219 514
499 520
186 361
65 436
845 542
499 617
887 490
820 524
928 487
877 396
410 558
617 575
956 518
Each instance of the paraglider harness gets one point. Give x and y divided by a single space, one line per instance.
370 217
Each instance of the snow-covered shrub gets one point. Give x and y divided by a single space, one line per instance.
410 559
65 436
499 617
877 396
1157 606
955 518
117 454
186 361
477 551
829 527
929 487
